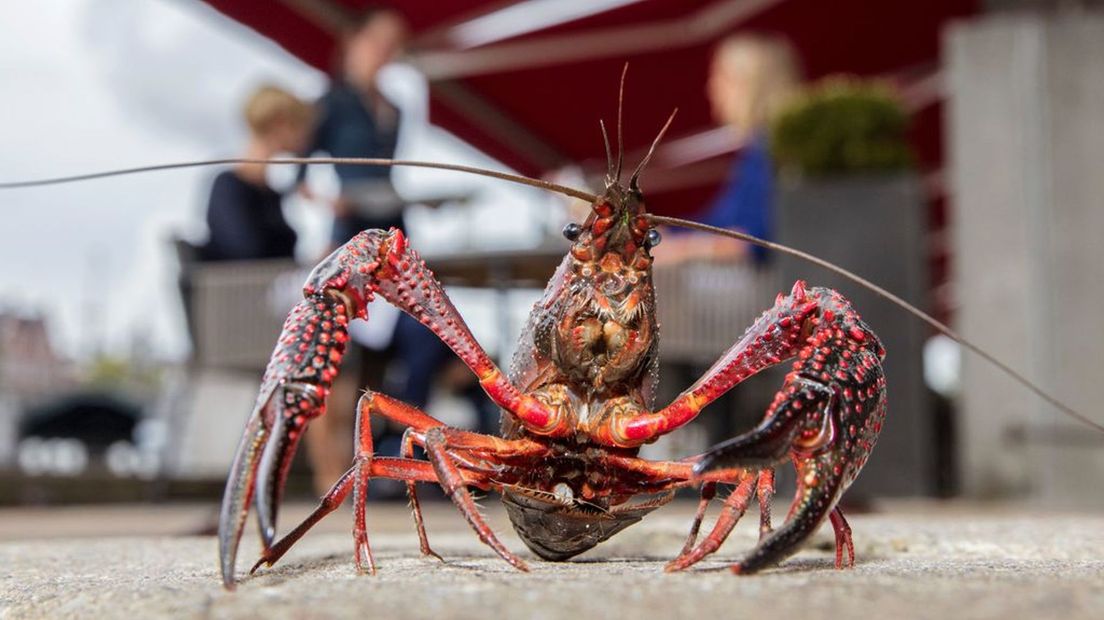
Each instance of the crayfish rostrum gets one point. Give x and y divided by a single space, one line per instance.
576 405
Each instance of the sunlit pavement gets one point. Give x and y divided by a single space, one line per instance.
915 560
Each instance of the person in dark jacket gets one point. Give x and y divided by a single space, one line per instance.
244 214
356 120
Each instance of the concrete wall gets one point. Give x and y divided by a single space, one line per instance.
1026 147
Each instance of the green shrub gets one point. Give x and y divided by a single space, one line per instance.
842 125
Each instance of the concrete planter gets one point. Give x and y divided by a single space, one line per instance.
874 226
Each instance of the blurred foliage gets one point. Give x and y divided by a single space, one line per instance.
842 125
109 372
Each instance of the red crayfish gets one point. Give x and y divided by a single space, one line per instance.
576 405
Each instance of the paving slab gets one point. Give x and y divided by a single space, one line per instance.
912 563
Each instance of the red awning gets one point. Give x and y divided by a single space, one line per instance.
534 100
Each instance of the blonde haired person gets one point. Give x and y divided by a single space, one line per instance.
278 117
244 214
750 78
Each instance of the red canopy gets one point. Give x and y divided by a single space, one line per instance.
533 100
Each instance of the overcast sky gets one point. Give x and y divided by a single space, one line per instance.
94 84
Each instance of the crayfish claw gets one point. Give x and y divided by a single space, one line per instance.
265 497
770 442
236 499
825 419
293 392
302 402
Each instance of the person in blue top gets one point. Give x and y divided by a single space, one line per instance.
744 201
750 78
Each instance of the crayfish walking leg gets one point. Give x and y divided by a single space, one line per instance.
734 507
708 492
440 443
447 442
407 451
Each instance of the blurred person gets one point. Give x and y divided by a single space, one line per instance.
245 217
356 120
751 77
244 214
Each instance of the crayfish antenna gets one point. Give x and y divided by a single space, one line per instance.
620 130
634 180
298 161
609 154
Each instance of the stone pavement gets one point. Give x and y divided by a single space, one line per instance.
915 561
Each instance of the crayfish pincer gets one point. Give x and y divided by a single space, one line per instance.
576 406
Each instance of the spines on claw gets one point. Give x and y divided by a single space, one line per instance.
382 263
306 360
826 418
293 391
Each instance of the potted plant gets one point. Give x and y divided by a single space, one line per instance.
842 126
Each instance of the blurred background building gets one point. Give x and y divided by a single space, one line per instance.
30 372
988 226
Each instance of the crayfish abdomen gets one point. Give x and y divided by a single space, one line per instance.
568 505
557 532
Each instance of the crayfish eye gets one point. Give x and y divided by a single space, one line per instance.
652 239
572 231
